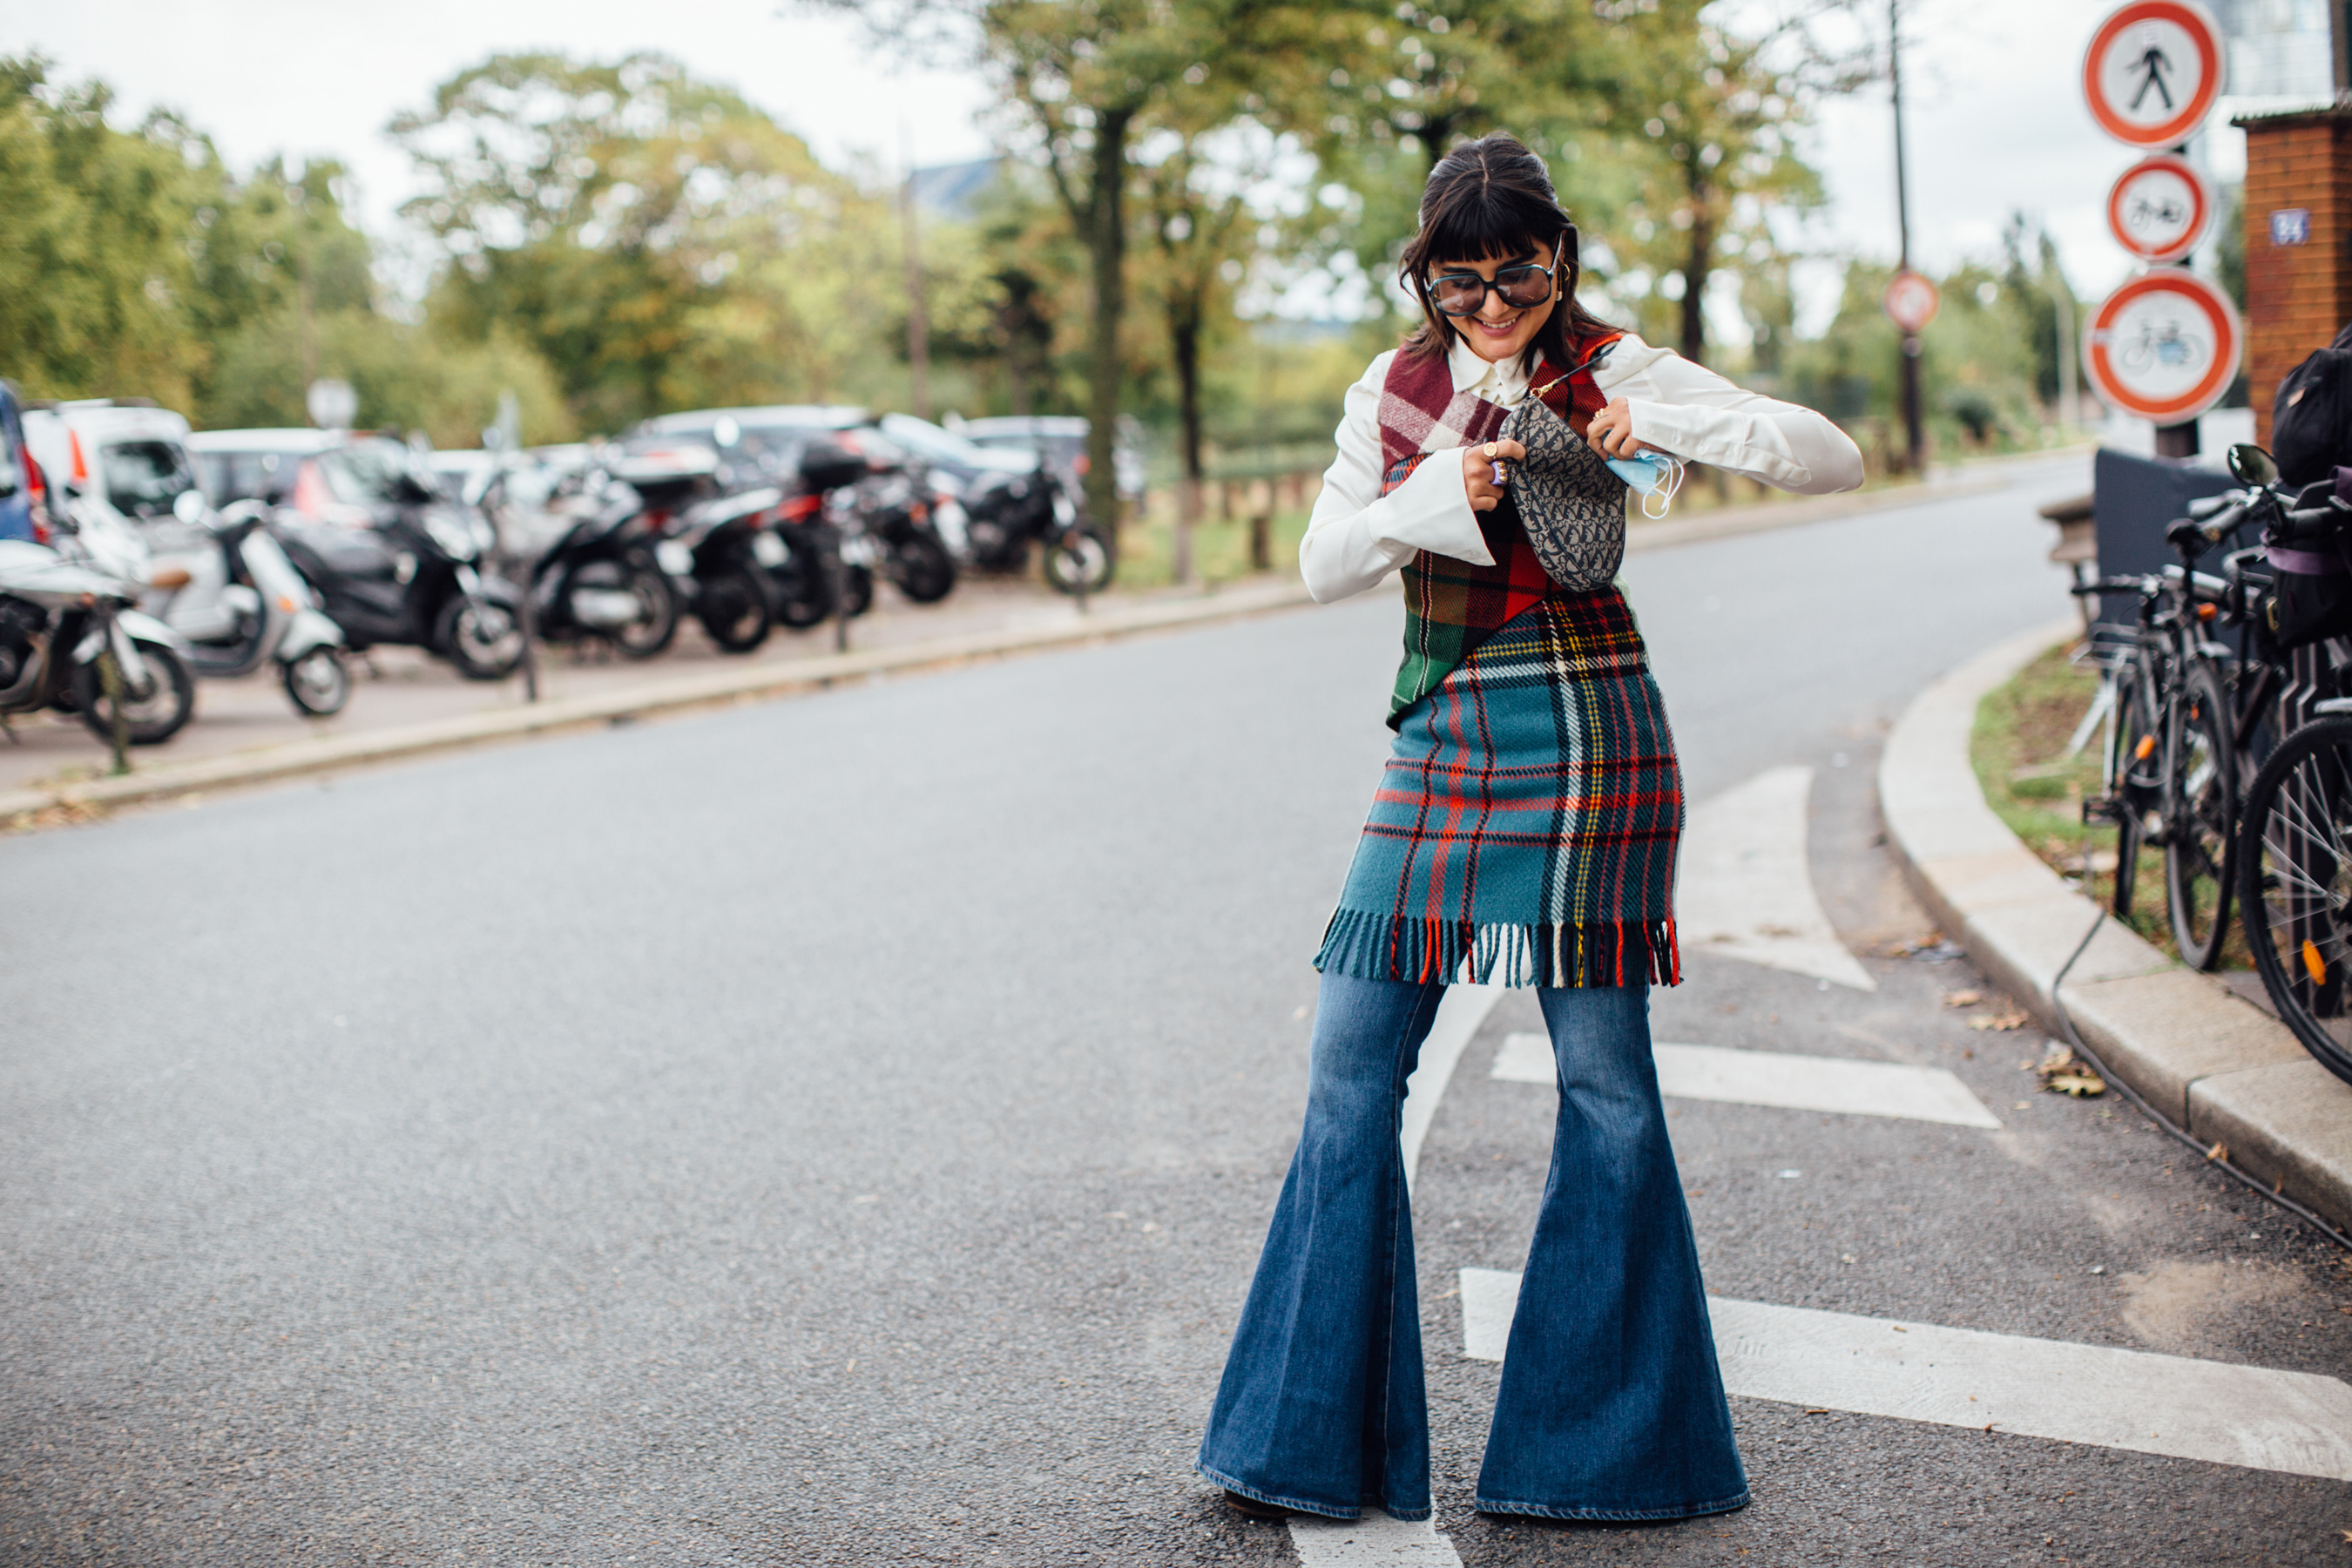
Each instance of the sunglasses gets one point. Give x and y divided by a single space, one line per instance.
1523 287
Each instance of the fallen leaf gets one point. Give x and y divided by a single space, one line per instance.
2003 1021
2218 1151
1962 998
2061 1073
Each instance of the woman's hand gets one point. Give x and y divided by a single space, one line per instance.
1481 465
1612 431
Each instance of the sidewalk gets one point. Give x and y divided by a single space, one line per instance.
440 711
396 688
2211 1061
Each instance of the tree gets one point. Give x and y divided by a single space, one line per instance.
1080 75
1199 220
1717 159
131 258
659 240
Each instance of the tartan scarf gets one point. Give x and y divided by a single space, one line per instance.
1451 607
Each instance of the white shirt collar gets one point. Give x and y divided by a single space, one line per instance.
1499 382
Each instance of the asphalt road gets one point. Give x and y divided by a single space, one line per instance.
839 1132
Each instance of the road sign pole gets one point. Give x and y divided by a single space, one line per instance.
1913 446
1914 442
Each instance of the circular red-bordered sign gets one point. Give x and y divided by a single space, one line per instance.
2161 208
2153 70
1910 301
2164 346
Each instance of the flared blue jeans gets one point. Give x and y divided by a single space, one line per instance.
1611 1407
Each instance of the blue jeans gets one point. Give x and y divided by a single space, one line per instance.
1612 1406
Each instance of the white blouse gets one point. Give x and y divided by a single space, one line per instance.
1357 536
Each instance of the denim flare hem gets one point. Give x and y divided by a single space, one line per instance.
1609 1515
1301 1505
1611 1403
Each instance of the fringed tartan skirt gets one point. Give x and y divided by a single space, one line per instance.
1525 829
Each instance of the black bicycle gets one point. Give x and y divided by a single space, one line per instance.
2294 849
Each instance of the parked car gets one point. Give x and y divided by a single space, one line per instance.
279 468
125 453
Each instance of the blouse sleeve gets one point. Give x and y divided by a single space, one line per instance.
1355 536
1692 413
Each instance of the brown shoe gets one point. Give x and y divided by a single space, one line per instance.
1250 1508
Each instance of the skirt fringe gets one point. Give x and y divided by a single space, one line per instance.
1370 946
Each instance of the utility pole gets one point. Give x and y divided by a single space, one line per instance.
1914 443
919 323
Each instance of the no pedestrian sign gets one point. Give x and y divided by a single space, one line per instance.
2152 71
1910 302
2161 208
2164 346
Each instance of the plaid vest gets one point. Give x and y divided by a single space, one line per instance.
1451 607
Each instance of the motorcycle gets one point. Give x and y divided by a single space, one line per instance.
413 575
1004 513
823 538
607 578
71 640
714 538
907 549
732 550
239 601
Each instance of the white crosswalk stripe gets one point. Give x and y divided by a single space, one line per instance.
2298 1422
1375 1541
1459 1016
1744 888
1837 1084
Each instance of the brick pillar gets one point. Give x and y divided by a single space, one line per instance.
2299 295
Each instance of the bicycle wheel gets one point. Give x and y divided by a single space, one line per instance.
2200 818
2295 885
2135 771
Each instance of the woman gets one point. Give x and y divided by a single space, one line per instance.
1524 833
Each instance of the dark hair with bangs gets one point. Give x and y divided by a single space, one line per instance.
1493 198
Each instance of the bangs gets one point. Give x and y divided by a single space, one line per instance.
1488 226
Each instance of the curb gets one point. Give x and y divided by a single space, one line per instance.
716 687
2211 1061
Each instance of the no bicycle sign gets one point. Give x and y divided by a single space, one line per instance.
2164 346
2153 70
2159 208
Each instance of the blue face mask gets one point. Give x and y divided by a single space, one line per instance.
1648 474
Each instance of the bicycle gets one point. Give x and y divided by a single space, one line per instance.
2190 717
2294 850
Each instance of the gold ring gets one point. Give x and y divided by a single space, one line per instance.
1490 449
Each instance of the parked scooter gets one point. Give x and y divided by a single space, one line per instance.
733 550
240 601
824 539
894 513
68 633
416 578
607 577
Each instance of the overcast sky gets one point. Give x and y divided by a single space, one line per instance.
1996 121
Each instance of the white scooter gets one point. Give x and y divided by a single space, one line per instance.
69 639
239 601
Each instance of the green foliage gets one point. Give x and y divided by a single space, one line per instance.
661 242
1980 363
135 263
408 377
